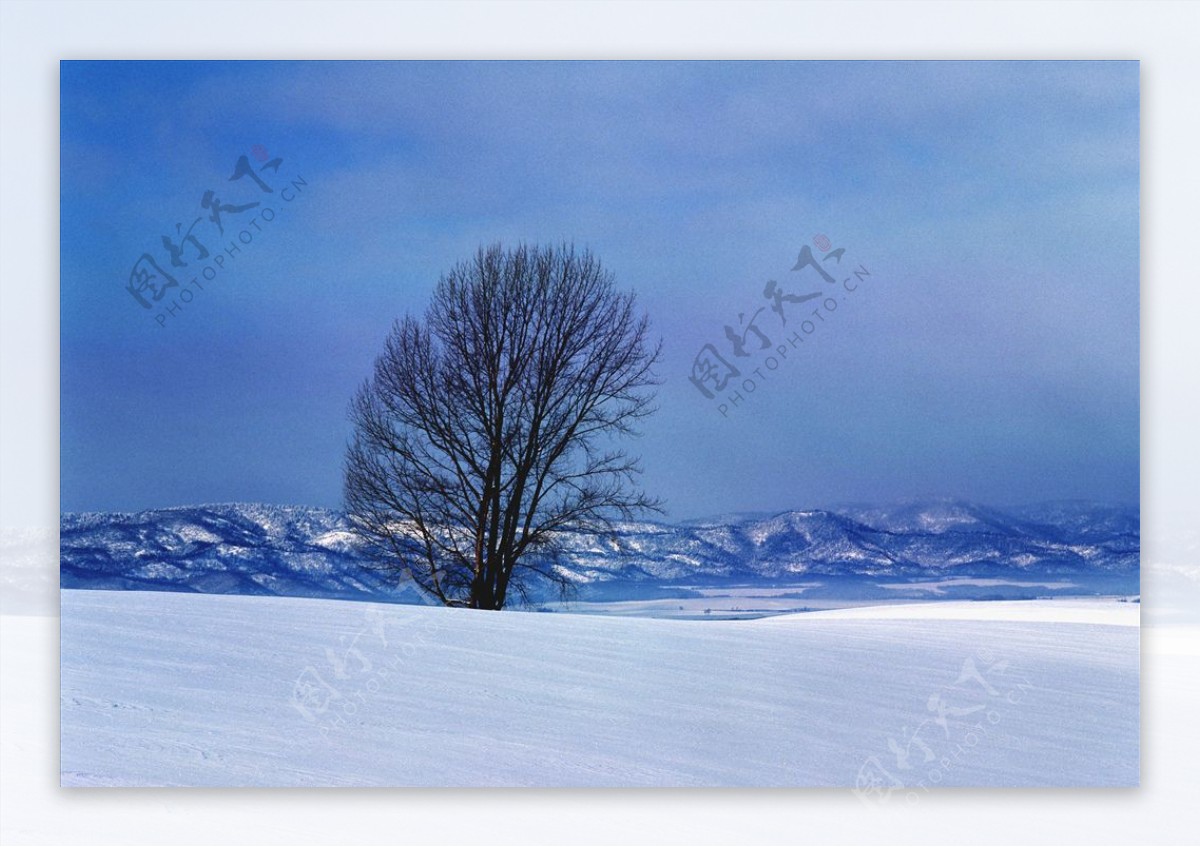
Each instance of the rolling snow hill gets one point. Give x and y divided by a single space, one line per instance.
163 689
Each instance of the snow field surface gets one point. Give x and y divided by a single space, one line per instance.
173 689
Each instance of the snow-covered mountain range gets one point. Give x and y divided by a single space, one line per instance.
310 552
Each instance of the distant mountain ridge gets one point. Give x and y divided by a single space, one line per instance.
310 552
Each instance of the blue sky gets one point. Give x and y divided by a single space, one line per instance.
992 353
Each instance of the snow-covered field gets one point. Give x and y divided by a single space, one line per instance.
215 690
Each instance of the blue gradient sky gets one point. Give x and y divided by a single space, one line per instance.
992 354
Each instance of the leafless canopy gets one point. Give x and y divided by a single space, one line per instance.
490 427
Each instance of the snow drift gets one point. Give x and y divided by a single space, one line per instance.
186 689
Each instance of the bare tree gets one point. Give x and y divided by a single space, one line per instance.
491 428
